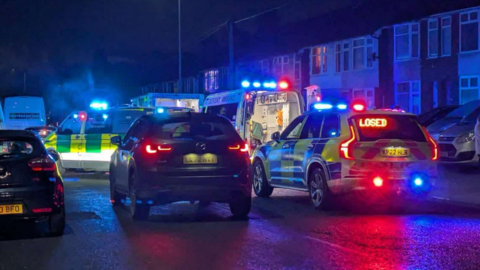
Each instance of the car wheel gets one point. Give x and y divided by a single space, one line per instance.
318 190
56 223
115 198
241 207
138 210
260 183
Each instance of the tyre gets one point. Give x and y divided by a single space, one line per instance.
320 195
138 210
260 183
56 223
241 207
115 198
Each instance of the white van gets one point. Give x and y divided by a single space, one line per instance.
170 100
256 114
24 112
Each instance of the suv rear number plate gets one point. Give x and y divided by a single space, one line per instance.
200 159
395 152
11 209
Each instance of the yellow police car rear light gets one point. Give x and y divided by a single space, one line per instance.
346 147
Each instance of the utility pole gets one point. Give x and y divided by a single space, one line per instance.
179 85
231 64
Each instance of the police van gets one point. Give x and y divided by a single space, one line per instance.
334 150
258 110
83 138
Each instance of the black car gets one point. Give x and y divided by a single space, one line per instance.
30 186
167 158
435 114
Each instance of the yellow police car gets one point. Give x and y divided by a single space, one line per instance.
337 149
82 140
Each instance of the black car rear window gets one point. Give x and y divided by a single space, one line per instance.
191 128
390 127
16 148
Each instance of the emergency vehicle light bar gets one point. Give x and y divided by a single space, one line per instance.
266 84
327 106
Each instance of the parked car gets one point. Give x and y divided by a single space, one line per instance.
468 110
166 158
30 186
427 118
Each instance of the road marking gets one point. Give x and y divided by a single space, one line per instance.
336 246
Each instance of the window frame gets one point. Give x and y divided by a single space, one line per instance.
469 87
365 46
283 135
323 55
347 50
460 23
410 34
338 56
442 27
410 94
429 56
339 127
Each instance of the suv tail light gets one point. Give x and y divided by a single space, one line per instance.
432 143
153 149
238 147
346 150
43 164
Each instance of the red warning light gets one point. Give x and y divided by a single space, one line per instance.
247 96
283 85
378 181
82 116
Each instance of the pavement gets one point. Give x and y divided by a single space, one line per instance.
283 232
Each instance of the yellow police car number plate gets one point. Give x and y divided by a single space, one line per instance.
395 152
11 209
200 159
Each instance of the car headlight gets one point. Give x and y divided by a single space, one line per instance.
467 137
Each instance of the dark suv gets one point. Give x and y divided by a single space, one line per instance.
166 158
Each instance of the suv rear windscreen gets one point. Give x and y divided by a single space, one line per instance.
114 121
388 127
187 128
15 149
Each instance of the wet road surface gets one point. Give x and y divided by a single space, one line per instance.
283 232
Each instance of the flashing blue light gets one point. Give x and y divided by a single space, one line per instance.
333 133
342 106
256 84
160 110
99 105
273 85
245 84
75 116
105 116
266 85
150 202
138 201
322 106
418 181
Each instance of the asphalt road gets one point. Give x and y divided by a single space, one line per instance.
283 232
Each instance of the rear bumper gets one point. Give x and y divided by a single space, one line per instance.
33 197
160 189
403 185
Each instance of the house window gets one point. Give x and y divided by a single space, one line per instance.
319 60
338 54
407 96
362 53
468 89
297 67
469 31
346 55
446 36
211 80
407 41
433 38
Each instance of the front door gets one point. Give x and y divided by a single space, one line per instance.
281 155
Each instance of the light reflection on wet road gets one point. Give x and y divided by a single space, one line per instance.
283 232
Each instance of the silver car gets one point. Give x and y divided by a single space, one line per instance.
457 143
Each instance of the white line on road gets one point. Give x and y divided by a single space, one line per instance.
335 246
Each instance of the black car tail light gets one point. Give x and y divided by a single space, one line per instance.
238 147
153 149
42 164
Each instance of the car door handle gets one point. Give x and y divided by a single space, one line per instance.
285 146
310 146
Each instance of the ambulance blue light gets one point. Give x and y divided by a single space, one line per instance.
105 116
273 85
245 84
75 116
322 106
150 202
266 85
160 110
418 181
256 84
342 106
99 105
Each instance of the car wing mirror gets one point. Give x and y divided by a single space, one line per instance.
116 140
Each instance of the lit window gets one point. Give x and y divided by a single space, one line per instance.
469 31
319 60
211 80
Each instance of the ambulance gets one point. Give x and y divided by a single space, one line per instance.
82 140
336 149
258 109
170 100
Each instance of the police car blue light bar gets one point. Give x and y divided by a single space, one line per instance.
322 106
258 84
342 106
99 105
245 84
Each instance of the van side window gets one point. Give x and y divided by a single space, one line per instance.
70 126
331 126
